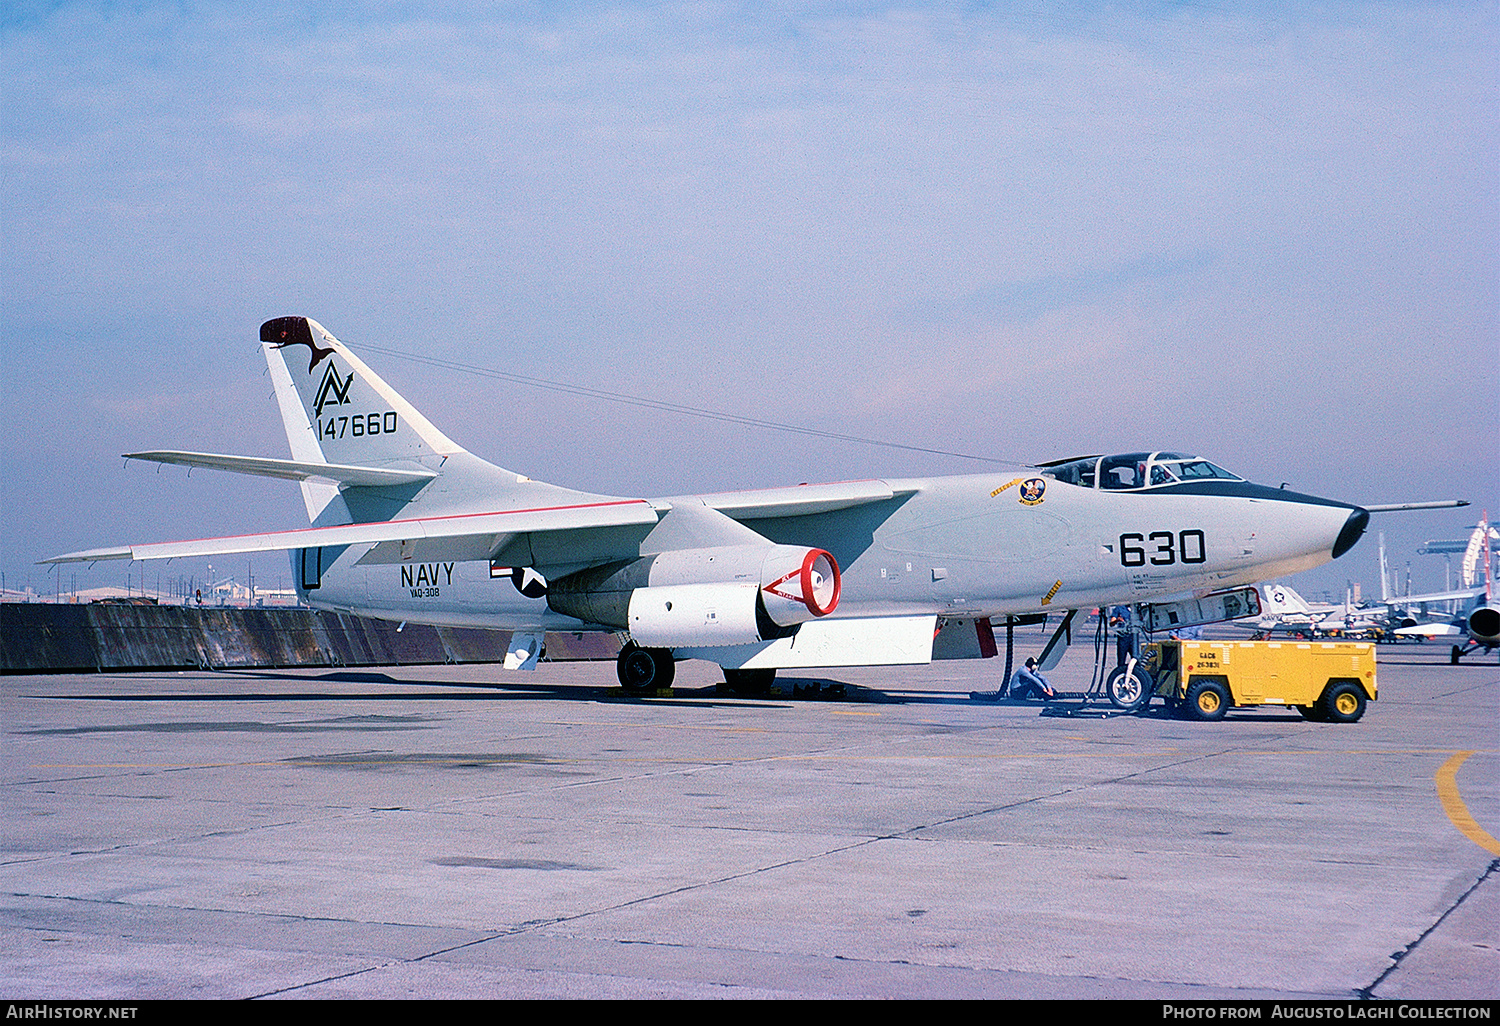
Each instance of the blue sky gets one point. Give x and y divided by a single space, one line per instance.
1027 231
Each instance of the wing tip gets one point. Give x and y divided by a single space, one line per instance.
90 556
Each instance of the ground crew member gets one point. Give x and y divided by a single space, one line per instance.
1028 682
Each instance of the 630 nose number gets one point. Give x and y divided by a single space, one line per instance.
1162 548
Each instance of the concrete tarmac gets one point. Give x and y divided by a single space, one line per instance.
438 832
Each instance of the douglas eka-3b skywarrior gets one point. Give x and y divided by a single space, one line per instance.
407 525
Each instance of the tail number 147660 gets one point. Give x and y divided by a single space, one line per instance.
358 425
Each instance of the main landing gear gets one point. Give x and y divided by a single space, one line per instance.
749 683
643 670
1463 650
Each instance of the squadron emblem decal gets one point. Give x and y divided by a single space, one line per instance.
1033 491
331 391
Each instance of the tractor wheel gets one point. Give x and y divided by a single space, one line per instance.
1207 700
1343 702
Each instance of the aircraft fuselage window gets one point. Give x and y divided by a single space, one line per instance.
1078 472
1124 472
1192 469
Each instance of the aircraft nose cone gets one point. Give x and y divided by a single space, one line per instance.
1354 528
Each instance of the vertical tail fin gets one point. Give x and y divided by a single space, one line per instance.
337 410
337 407
1278 601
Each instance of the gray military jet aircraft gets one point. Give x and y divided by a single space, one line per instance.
1480 620
408 525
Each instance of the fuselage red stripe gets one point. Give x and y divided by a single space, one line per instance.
415 520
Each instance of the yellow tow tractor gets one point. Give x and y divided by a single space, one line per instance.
1325 681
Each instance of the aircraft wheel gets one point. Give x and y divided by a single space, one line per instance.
1453 658
1343 702
1128 691
749 682
644 669
1207 700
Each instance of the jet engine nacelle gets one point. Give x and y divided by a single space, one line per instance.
1484 625
694 614
724 595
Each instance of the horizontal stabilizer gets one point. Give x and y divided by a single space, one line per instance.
468 535
290 470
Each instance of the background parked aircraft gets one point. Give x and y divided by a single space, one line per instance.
1479 621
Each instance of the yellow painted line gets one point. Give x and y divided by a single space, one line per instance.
1447 789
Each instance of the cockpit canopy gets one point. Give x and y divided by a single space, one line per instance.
1135 471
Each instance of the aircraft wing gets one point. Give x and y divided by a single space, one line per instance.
1436 596
800 500
462 536
290 470
469 536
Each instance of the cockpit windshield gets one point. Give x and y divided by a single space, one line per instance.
1135 471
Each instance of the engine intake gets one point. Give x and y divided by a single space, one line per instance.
810 589
1484 624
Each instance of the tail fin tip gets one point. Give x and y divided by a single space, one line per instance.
282 332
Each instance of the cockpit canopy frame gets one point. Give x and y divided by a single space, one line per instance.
1134 471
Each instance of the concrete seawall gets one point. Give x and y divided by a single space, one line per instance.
42 638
